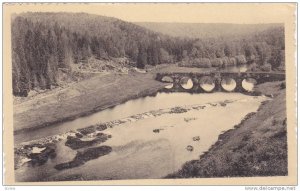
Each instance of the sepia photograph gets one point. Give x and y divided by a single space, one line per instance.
101 92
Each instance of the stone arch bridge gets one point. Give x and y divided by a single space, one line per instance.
217 79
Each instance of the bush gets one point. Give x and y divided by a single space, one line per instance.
232 61
282 85
164 56
253 67
216 62
201 63
251 58
225 61
266 67
241 59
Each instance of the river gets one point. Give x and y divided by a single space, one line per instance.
154 144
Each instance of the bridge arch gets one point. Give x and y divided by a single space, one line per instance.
169 81
228 84
248 84
207 83
186 83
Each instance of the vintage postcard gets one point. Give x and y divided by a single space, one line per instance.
149 94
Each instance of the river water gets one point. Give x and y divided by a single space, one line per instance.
138 152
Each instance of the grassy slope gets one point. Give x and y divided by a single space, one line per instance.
83 98
256 147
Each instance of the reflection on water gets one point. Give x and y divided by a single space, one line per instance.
240 68
243 68
208 87
169 86
140 152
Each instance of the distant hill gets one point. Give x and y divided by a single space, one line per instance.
207 30
83 23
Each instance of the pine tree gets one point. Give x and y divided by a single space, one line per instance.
142 58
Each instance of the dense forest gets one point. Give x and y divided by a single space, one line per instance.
43 43
207 30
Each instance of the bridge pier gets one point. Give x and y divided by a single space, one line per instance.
218 86
196 85
239 86
176 83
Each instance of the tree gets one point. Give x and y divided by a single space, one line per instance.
240 59
153 54
142 58
249 52
276 58
164 56
201 63
227 50
84 48
263 53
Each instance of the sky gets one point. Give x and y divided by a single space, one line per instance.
241 13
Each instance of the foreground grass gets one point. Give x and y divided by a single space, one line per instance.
256 147
83 98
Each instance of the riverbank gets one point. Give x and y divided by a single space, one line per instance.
255 147
83 98
86 97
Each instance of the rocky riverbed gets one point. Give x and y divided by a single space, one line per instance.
37 152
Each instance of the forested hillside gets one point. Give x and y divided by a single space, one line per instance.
44 43
207 30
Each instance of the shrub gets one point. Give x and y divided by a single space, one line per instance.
232 61
201 63
266 67
252 67
225 61
241 59
216 62
251 58
282 85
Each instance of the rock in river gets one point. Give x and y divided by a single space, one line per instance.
196 138
77 143
87 130
84 156
190 148
223 104
40 158
178 110
157 130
